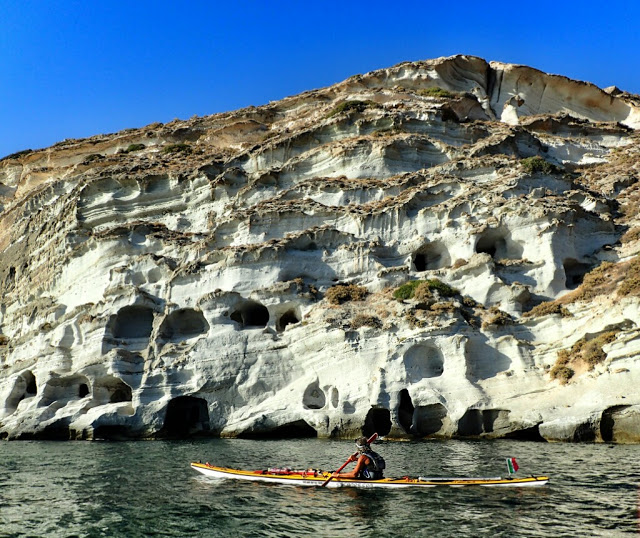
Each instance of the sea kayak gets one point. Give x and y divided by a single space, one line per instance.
314 477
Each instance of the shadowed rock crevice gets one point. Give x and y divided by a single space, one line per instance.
405 411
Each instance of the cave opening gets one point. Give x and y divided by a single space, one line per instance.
83 390
183 324
186 416
251 314
30 379
121 393
405 411
428 419
111 433
423 361
431 256
132 322
608 422
288 318
527 434
487 245
298 429
420 262
574 272
499 246
471 423
378 421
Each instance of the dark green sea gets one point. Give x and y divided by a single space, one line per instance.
148 489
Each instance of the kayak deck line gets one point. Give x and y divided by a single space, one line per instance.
315 477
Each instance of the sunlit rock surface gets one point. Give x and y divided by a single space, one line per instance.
173 280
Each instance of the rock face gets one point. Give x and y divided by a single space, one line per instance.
245 274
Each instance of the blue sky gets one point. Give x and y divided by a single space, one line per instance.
70 69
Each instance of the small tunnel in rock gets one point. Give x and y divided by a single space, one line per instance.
183 324
405 411
428 419
378 421
574 272
251 314
132 322
499 245
186 416
290 317
83 390
431 256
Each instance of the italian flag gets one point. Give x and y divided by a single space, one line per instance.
512 465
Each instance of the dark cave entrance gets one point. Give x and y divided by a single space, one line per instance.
83 390
251 314
378 421
132 322
574 272
405 411
293 430
30 379
183 324
288 318
186 416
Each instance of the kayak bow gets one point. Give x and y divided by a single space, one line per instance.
313 477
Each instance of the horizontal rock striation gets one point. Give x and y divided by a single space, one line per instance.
443 248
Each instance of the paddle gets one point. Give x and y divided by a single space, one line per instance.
369 441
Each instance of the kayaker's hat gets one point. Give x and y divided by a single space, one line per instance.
362 443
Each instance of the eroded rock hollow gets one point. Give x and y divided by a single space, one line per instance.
443 248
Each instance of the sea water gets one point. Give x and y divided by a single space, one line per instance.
148 489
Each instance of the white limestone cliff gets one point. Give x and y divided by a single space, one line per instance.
181 279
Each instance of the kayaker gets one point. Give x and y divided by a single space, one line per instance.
370 465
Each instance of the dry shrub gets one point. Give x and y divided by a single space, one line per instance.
441 308
631 283
562 374
422 293
4 340
630 235
585 351
343 293
498 318
365 320
459 263
599 281
549 307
